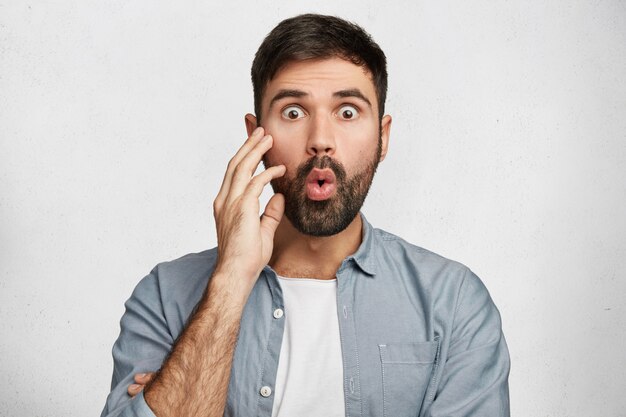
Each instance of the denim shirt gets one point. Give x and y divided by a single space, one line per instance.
420 335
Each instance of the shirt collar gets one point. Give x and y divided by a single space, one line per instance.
364 256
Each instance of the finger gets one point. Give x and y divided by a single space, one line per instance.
247 146
273 214
144 378
245 170
254 138
256 184
134 389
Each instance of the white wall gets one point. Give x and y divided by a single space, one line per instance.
508 154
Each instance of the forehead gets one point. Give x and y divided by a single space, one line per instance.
321 78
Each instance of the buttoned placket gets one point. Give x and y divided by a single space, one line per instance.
350 270
269 368
347 333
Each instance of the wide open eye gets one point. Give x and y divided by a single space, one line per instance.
293 113
348 112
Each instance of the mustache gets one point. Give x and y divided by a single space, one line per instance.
321 163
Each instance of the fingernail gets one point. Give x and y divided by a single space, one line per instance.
134 387
257 131
141 375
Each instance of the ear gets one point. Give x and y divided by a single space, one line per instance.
251 124
385 129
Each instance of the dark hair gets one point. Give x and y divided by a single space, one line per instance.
314 36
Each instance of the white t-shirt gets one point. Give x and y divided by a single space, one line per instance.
309 380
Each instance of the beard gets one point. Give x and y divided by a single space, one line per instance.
331 216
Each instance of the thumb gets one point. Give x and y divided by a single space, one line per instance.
273 214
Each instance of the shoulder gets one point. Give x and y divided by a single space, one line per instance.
179 279
449 286
188 267
423 269
168 294
391 248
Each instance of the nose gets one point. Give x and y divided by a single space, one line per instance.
321 139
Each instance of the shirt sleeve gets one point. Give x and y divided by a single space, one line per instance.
142 346
474 381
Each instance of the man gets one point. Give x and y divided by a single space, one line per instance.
308 310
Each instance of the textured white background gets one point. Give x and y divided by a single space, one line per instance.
508 153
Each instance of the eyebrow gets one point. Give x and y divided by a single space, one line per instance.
287 93
351 92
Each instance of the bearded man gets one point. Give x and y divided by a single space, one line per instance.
309 310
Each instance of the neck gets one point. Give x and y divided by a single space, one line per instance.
302 256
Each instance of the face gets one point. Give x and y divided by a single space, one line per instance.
323 117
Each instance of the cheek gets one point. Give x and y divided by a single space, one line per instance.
281 153
287 147
359 144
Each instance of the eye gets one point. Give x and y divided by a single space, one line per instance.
293 113
348 112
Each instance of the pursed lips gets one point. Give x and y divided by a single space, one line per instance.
320 184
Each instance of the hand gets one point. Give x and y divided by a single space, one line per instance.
245 241
140 382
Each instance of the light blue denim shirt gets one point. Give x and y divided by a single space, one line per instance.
420 335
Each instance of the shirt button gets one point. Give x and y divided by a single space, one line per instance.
278 313
266 391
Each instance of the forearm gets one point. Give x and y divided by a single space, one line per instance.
193 381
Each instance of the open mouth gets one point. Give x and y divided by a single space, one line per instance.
320 184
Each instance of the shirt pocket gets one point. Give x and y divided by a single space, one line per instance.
406 372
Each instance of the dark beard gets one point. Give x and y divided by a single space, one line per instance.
327 217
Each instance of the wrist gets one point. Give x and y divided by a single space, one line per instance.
231 289
234 269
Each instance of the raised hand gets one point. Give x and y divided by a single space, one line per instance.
201 358
245 241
